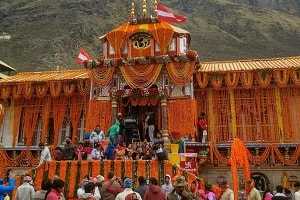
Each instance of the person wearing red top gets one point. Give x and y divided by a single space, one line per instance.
154 191
56 189
202 128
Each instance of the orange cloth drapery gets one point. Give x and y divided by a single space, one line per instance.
181 73
31 115
99 113
162 33
239 158
17 112
59 110
75 113
182 115
102 76
45 118
141 76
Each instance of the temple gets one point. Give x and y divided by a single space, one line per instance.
147 66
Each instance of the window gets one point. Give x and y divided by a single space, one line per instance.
37 131
182 45
80 130
65 130
141 41
172 46
21 139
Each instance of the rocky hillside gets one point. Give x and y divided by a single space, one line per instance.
47 33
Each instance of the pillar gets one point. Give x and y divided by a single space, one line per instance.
114 109
279 114
211 117
164 124
232 113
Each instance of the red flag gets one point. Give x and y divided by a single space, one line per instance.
83 57
167 14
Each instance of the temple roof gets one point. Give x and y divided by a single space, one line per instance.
251 65
44 76
5 67
214 66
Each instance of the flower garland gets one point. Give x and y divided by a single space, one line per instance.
102 76
117 167
28 90
41 90
63 169
84 170
55 88
141 171
107 166
96 168
232 79
295 76
154 171
5 92
202 79
31 115
59 109
72 179
45 118
128 168
247 79
264 78
17 91
17 110
69 89
140 76
83 87
281 77
181 73
217 81
38 179
75 112
51 169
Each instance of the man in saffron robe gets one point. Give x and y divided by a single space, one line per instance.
113 132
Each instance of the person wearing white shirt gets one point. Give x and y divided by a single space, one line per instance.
26 190
97 135
127 191
297 190
97 153
45 154
167 187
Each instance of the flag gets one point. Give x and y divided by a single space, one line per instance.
82 57
166 14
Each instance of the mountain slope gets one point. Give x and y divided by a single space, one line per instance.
47 33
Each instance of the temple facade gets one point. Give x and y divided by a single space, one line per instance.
147 66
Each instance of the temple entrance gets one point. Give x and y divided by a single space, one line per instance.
141 112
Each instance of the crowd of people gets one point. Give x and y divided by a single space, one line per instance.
115 188
98 146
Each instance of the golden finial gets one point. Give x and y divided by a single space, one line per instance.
155 7
144 8
132 13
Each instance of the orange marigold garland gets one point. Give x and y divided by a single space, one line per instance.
117 168
51 170
95 168
69 88
84 170
41 90
168 168
39 176
181 73
73 178
232 79
55 88
202 79
154 169
107 164
141 169
63 169
247 79
128 168
281 77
